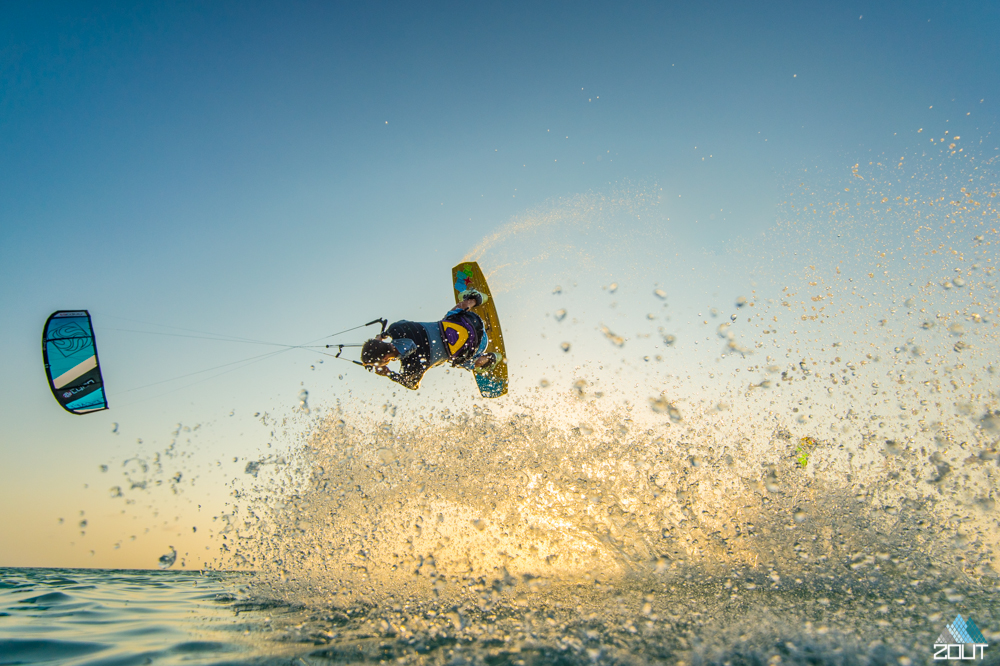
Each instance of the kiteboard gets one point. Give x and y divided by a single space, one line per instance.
467 275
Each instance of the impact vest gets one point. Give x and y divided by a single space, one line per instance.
461 333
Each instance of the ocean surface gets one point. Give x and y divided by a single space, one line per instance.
74 616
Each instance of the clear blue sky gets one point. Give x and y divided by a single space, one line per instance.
279 170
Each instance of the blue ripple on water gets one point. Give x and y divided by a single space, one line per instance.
34 651
49 599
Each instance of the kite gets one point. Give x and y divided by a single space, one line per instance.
71 363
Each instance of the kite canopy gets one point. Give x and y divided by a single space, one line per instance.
71 363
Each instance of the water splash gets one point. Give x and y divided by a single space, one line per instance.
166 561
827 496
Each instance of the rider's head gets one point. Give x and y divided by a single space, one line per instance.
377 352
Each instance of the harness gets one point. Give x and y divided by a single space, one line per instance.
462 333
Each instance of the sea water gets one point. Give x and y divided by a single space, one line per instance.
783 453
143 617
78 616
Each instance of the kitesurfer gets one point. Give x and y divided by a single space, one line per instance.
460 339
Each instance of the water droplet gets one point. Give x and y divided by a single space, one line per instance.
659 293
893 448
616 340
560 315
304 400
167 561
990 421
741 301
114 428
800 515
613 288
661 405
565 346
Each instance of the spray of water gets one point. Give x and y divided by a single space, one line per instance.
784 452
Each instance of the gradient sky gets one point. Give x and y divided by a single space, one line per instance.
284 170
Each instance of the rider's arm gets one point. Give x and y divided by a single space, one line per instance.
410 381
468 365
462 306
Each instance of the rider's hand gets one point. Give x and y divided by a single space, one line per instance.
382 370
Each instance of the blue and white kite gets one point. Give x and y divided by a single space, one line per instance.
71 363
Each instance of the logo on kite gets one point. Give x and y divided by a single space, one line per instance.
70 393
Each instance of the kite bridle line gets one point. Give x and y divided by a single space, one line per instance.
348 330
204 335
248 361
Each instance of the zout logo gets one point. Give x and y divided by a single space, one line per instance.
960 640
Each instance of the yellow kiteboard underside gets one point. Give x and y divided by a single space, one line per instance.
467 275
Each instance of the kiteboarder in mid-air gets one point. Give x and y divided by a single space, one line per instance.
461 338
